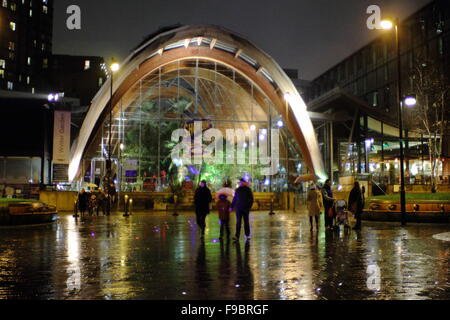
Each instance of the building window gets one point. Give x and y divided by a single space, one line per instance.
5 4
12 46
87 64
12 56
2 63
28 80
10 85
45 9
29 61
13 6
12 25
45 63
2 74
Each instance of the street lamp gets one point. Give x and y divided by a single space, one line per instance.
114 67
409 101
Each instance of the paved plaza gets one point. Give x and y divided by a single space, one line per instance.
157 256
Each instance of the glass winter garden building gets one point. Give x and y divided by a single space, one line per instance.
187 75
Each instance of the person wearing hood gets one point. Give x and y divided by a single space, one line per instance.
202 199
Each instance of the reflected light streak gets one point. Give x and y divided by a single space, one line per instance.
73 282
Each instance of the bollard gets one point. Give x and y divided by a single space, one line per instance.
126 206
271 208
175 213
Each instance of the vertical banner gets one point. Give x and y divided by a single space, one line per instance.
61 145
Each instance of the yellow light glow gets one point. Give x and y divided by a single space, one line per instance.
386 24
115 67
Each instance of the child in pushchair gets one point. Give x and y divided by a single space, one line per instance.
343 216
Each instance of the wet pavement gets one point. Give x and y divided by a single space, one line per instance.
157 256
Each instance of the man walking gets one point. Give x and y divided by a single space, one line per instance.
202 199
242 202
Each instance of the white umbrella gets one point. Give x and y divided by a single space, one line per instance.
226 191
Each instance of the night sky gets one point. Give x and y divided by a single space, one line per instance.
308 35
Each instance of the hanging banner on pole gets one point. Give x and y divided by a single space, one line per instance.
61 137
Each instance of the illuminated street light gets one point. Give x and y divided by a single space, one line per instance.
280 123
410 101
387 24
115 67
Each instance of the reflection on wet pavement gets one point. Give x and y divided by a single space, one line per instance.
158 256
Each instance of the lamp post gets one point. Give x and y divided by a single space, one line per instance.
113 68
409 101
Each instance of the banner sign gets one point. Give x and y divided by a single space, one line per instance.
61 137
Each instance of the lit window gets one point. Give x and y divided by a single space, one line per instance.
5 3
2 64
29 61
45 9
12 46
12 25
28 80
87 64
10 85
32 90
31 12
2 74
13 6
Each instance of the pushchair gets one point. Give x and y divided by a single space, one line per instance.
343 216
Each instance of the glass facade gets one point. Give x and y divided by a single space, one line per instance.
176 96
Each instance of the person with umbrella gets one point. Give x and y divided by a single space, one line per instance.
315 205
202 199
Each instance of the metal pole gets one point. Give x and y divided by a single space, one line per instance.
400 125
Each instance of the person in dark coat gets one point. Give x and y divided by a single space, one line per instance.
356 204
242 202
202 199
101 202
223 206
328 202
83 201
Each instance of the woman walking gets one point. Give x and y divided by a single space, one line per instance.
315 205
202 199
356 204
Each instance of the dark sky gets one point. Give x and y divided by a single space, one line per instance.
308 35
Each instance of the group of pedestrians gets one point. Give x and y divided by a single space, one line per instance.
242 202
320 200
95 201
